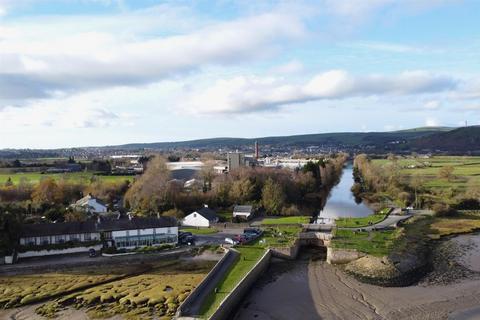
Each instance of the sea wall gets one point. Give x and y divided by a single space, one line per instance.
233 299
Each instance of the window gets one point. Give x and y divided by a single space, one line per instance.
60 239
87 236
44 240
194 215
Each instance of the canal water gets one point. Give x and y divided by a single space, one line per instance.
341 202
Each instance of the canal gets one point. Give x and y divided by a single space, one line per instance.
341 202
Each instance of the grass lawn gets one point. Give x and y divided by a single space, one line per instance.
286 220
199 230
85 177
360 222
281 236
376 243
226 216
249 255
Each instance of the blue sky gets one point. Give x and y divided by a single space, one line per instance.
103 72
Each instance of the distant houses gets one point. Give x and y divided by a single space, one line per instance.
243 212
203 217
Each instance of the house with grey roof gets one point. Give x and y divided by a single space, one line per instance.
244 212
203 217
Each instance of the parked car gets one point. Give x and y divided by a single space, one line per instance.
92 253
188 240
181 234
240 238
256 231
231 241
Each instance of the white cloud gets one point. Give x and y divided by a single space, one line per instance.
80 111
291 67
431 122
432 105
33 67
249 94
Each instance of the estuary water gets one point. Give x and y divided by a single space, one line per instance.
341 202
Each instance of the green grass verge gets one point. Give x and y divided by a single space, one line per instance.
286 220
376 243
360 222
200 230
249 256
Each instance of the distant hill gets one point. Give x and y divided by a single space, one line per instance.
463 140
376 140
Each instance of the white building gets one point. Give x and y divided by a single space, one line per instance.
90 204
68 237
203 217
244 212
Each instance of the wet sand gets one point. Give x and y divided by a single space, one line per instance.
305 289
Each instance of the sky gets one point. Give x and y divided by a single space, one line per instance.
107 72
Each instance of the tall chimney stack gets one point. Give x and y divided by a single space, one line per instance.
256 150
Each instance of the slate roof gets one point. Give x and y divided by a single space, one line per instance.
53 229
92 226
244 209
207 213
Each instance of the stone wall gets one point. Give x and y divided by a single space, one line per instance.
196 298
42 253
341 256
232 300
289 253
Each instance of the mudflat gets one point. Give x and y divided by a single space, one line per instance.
307 289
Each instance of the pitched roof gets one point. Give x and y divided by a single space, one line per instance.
207 213
247 209
90 226
85 199
136 223
52 229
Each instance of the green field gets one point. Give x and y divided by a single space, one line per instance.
286 220
249 255
360 222
467 170
35 177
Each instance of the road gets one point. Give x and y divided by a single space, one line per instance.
390 221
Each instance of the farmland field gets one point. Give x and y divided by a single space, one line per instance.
35 177
466 170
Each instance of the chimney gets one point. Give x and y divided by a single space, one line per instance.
158 215
129 216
